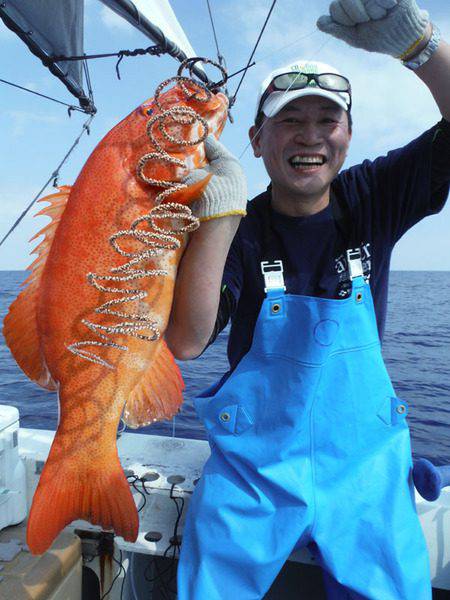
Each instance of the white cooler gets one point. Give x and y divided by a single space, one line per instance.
13 501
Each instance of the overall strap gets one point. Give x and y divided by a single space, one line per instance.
273 277
271 263
272 241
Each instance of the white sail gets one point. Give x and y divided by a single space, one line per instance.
156 20
161 14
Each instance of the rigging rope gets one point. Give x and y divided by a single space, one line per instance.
53 177
152 50
88 83
219 54
233 99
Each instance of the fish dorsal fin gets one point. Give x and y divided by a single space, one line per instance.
20 326
158 395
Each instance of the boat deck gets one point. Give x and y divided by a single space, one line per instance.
173 465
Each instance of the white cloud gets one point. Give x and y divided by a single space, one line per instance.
20 120
31 85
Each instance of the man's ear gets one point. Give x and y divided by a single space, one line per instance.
255 141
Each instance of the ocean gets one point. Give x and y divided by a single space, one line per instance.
416 349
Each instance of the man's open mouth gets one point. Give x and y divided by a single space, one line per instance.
307 161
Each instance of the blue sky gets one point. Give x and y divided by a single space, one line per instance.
391 106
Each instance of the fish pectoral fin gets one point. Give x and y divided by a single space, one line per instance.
194 190
20 326
159 394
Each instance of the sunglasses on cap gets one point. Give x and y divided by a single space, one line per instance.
332 82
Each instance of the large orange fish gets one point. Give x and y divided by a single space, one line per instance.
90 321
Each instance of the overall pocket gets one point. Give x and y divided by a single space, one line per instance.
393 411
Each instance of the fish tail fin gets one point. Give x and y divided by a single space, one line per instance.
70 489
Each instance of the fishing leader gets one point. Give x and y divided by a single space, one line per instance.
309 442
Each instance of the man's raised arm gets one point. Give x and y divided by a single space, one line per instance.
435 73
197 289
398 28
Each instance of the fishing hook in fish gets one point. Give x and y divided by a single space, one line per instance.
155 241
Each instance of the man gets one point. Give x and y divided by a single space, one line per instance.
309 444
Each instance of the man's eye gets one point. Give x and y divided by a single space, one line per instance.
329 120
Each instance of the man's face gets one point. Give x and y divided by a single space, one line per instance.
303 147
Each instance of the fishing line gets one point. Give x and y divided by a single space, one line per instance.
271 54
294 43
173 427
280 100
53 177
233 99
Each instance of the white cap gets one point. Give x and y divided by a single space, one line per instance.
279 98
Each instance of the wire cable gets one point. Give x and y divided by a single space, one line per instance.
88 82
165 576
20 87
53 177
233 99
142 481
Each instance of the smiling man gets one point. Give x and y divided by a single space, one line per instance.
309 443
306 130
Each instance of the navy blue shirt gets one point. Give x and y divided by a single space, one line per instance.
384 198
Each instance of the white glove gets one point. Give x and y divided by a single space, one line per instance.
226 192
394 27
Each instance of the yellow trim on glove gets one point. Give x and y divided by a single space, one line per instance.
411 48
226 214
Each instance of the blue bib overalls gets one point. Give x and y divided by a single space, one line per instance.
309 444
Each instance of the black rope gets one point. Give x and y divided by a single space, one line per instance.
219 54
71 106
88 82
142 481
233 99
53 176
156 50
240 70
121 568
166 576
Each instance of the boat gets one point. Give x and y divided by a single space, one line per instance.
86 563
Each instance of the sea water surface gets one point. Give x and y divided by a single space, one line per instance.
416 350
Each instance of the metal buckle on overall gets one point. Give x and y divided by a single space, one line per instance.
355 267
273 275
